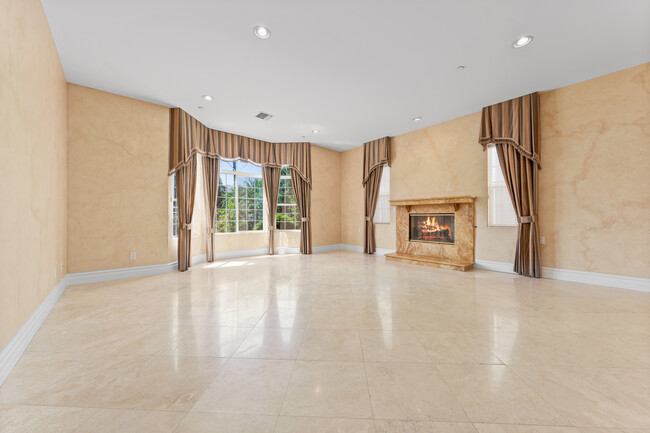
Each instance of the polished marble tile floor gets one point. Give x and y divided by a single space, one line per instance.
335 342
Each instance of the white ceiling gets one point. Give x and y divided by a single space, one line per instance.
354 69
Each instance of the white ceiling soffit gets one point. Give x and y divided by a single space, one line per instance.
355 70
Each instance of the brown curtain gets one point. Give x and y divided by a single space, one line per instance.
211 189
302 190
513 126
376 154
189 137
185 190
371 190
271 180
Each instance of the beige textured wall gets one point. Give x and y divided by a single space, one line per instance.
33 177
594 194
326 196
117 181
595 177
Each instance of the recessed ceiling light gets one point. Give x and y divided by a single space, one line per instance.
262 32
522 41
460 68
315 131
208 98
199 107
417 119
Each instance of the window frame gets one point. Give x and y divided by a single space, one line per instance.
238 173
385 180
492 186
295 205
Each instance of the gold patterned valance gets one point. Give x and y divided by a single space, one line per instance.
515 122
189 136
376 153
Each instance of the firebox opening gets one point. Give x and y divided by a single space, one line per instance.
435 227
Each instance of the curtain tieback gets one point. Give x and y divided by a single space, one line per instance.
186 226
211 230
306 219
527 219
369 219
271 228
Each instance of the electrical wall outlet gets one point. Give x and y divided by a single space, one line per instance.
542 240
132 255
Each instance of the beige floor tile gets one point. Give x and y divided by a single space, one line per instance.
271 343
131 421
392 346
290 424
395 426
512 428
411 392
328 389
196 422
284 318
458 347
331 345
160 343
217 341
594 397
36 371
332 318
568 349
247 386
134 382
42 419
611 430
111 338
495 394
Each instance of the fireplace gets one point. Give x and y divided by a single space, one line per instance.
432 227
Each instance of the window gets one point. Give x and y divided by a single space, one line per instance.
175 210
286 216
240 200
500 210
382 211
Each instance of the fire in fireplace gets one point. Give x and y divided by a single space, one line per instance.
433 227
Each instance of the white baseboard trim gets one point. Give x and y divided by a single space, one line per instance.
359 249
12 352
241 253
488 265
595 278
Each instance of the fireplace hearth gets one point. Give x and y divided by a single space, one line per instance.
432 227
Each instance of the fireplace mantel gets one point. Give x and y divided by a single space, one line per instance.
455 201
457 256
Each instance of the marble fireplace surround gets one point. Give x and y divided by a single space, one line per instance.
458 256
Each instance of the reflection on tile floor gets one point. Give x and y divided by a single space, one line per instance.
335 342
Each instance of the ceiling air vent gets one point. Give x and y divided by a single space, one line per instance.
264 116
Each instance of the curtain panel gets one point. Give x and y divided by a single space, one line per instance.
189 137
376 154
302 191
211 189
185 190
513 127
271 180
